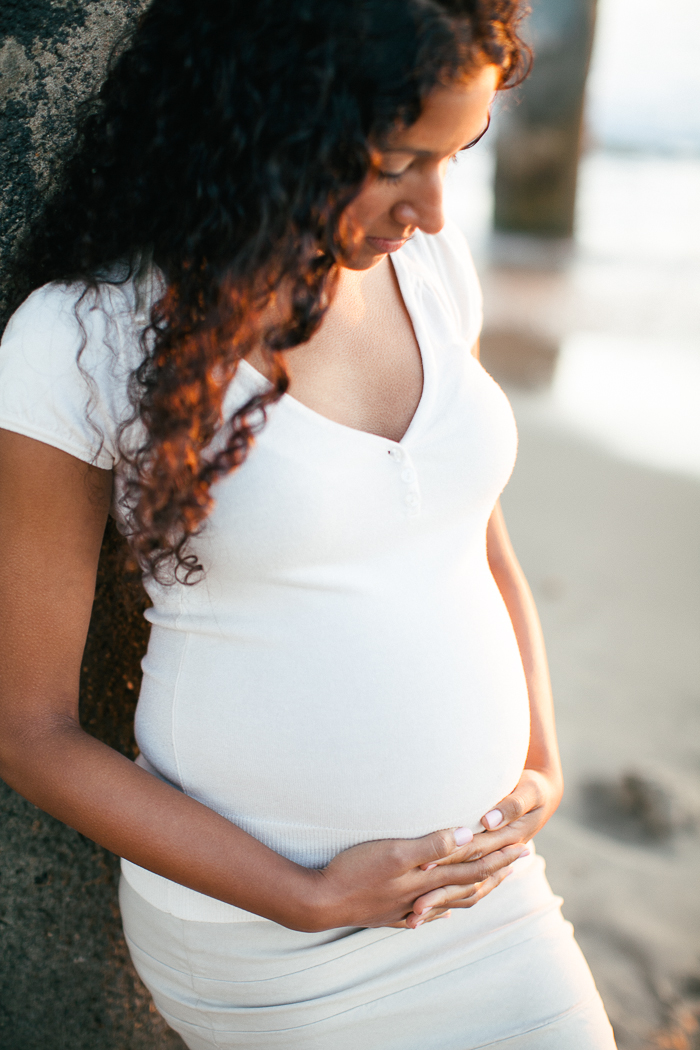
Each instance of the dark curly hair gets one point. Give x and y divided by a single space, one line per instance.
223 146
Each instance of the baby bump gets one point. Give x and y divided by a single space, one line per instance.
312 753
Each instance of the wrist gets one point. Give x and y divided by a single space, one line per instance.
307 906
553 779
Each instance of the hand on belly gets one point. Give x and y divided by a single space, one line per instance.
378 883
510 826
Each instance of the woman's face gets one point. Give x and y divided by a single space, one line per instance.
403 192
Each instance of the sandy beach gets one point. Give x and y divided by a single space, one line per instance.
612 551
598 346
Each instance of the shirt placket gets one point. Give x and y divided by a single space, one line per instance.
408 478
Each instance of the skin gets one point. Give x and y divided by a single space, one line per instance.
53 510
404 193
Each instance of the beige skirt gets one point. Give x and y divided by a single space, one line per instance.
506 973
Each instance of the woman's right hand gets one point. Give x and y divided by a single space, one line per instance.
377 883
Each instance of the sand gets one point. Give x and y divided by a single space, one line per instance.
612 551
597 343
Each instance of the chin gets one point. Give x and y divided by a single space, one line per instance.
364 259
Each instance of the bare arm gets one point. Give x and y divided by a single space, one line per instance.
53 510
543 754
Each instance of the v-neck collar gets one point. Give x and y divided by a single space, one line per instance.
409 283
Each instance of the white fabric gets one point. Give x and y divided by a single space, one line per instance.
505 974
347 670
47 393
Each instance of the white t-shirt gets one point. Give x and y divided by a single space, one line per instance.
347 669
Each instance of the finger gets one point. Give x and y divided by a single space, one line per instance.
467 897
462 838
460 896
443 898
482 890
421 853
485 842
528 795
474 871
519 833
494 840
470 872
414 921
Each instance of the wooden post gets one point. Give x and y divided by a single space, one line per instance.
539 136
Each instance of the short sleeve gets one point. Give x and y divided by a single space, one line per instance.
64 371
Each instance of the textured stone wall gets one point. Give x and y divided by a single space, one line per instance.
66 982
52 54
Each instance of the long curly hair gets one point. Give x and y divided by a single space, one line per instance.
222 148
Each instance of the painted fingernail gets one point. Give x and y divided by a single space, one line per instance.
525 853
493 819
429 867
463 836
419 923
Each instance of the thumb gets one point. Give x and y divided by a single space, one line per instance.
437 845
526 796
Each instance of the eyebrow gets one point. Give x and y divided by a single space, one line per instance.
431 153
407 149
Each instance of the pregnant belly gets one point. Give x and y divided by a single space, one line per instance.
313 752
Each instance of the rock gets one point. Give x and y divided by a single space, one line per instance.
652 804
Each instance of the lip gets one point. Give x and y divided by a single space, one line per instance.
384 245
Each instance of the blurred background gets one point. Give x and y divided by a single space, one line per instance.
591 284
592 325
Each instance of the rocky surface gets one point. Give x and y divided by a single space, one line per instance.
66 982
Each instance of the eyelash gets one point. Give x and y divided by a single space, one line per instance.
391 176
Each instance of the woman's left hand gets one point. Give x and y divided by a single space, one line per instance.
515 819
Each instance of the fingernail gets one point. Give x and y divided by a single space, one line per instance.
463 836
419 923
429 867
493 819
525 853
445 915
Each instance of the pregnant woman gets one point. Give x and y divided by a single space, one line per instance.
252 340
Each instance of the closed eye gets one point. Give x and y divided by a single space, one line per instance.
479 136
394 176
391 176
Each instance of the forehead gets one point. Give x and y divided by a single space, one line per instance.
451 116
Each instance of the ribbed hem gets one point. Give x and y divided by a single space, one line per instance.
307 845
311 847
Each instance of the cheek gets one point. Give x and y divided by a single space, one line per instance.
370 205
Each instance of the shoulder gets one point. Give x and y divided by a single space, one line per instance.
65 360
444 259
46 311
60 318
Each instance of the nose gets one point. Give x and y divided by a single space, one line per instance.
424 208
